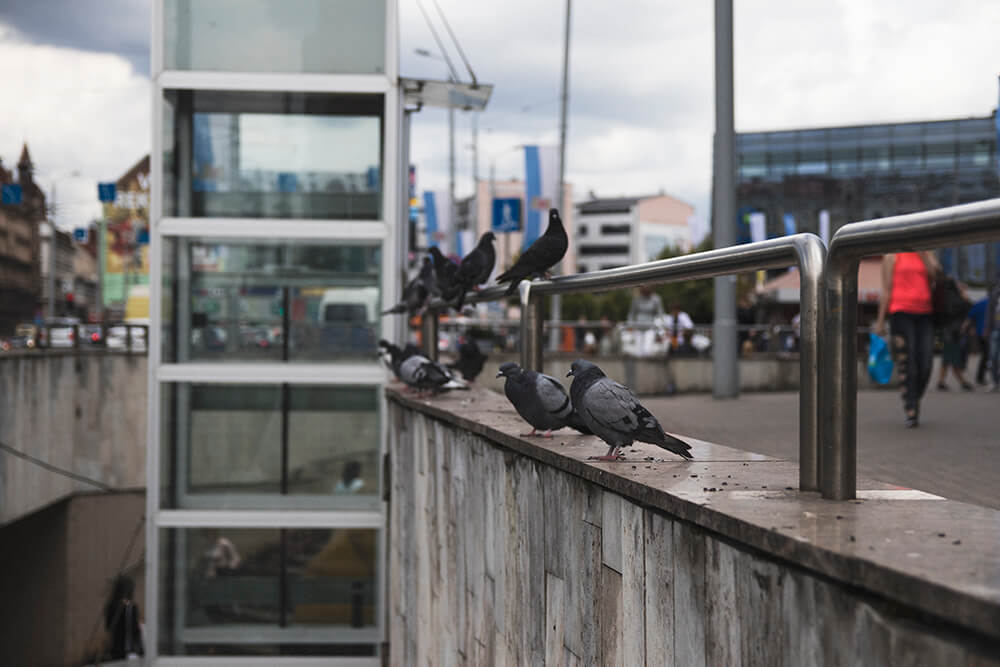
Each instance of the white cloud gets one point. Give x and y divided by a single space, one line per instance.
85 117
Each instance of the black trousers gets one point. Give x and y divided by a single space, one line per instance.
913 347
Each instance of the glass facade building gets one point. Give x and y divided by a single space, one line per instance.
869 171
276 184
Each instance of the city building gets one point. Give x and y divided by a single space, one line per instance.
64 268
124 244
615 231
22 211
276 200
846 174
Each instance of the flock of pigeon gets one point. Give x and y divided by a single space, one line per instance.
441 278
595 404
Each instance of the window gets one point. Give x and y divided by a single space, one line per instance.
270 301
272 155
624 228
587 251
301 36
240 446
268 591
581 230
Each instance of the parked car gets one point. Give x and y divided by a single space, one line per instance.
90 334
117 338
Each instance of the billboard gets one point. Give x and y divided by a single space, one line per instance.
125 247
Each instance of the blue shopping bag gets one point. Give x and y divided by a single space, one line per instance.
879 359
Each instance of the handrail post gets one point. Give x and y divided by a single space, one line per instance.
838 465
429 333
532 329
811 255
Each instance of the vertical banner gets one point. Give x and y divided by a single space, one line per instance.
758 226
541 180
790 227
465 240
824 226
437 213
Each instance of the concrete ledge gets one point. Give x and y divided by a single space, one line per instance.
929 557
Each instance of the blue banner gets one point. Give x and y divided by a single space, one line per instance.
532 191
430 214
106 192
789 224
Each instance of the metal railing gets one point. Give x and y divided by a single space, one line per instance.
955 225
806 251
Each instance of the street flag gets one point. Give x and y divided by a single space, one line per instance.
758 226
789 224
824 226
437 212
466 242
541 180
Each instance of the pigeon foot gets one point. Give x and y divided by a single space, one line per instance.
607 457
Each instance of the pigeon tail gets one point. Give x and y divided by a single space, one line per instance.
665 440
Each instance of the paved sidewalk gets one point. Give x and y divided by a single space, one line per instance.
954 453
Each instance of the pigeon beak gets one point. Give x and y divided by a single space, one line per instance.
570 372
499 375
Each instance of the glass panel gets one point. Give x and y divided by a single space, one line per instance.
255 590
272 155
907 156
875 158
974 154
271 301
235 446
310 36
940 157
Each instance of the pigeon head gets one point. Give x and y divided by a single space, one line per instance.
554 218
488 237
582 367
509 369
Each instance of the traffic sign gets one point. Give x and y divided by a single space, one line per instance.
80 234
106 192
506 215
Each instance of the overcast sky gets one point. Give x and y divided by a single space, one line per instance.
75 74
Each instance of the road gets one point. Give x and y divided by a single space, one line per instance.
954 453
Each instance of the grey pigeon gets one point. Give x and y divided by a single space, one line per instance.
392 356
417 371
540 399
416 292
614 413
476 267
547 250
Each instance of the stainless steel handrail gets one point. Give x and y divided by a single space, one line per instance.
806 251
955 225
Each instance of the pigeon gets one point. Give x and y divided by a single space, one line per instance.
446 276
540 399
416 292
614 413
476 267
470 360
419 372
392 356
547 250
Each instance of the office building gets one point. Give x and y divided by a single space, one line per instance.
869 171
613 232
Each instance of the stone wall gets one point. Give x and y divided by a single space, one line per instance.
497 557
81 411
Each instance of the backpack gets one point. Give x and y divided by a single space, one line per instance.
950 307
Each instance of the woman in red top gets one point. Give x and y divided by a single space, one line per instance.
906 296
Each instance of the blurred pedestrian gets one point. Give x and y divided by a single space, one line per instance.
954 353
993 335
906 297
647 308
978 316
121 619
679 326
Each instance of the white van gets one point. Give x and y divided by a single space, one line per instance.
348 320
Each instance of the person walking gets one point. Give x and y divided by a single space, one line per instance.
646 312
992 332
906 297
121 619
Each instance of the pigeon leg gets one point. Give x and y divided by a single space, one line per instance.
612 455
529 435
547 434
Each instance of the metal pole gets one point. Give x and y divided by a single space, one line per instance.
532 329
724 352
451 170
403 229
560 202
956 225
429 333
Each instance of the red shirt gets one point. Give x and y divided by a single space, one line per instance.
911 289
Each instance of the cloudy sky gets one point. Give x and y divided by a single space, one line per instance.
641 94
